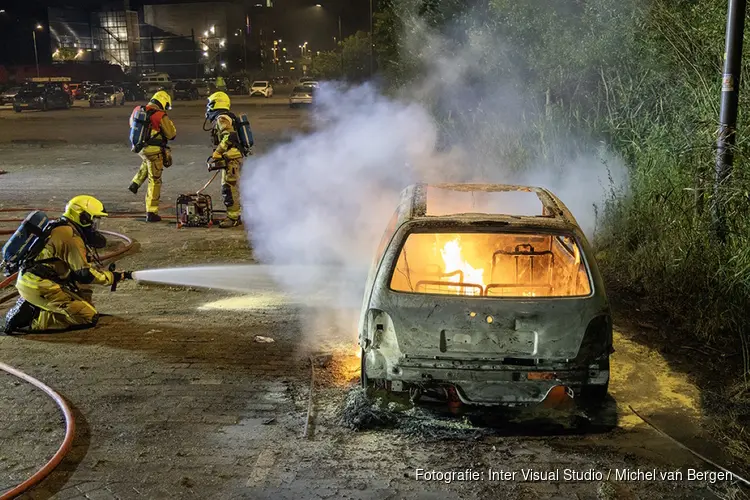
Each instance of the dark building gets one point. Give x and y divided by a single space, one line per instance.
186 40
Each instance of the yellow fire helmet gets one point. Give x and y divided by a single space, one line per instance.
83 209
163 99
218 100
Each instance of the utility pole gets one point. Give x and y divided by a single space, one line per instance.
341 41
36 55
195 51
730 88
153 51
372 45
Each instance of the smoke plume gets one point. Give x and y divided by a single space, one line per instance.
325 197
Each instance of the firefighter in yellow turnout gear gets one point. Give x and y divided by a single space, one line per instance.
156 156
226 150
50 285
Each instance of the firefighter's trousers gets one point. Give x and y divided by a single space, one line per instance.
230 193
152 167
61 309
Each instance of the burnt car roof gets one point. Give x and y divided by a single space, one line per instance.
520 206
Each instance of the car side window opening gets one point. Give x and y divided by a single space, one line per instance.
491 265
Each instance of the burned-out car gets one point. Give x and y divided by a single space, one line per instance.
485 294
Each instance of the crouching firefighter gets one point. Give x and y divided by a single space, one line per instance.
150 131
53 261
232 141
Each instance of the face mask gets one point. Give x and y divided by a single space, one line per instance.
92 236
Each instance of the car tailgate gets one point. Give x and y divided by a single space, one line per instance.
470 328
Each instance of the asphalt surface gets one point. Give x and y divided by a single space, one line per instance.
175 397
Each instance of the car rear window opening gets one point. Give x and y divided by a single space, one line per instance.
491 265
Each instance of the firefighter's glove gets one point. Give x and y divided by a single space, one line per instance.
122 275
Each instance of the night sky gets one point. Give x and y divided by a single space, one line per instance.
297 20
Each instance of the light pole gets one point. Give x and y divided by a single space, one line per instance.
730 91
36 54
372 45
341 40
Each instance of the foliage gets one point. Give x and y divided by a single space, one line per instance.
644 77
326 65
356 55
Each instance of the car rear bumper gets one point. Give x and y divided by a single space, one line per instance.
300 100
27 105
488 385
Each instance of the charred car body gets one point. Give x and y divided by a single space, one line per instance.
486 294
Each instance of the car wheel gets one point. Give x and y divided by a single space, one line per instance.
594 396
67 104
44 105
17 110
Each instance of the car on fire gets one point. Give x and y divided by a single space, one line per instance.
485 295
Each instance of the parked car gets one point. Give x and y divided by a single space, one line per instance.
87 89
107 95
74 88
204 87
133 92
236 85
41 96
301 95
185 90
8 96
261 88
155 81
491 307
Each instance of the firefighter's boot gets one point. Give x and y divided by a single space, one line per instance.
152 217
227 223
20 316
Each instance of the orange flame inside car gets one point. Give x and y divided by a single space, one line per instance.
489 264
451 253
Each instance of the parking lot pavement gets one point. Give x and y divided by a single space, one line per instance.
84 125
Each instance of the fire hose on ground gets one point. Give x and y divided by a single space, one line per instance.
65 446
67 442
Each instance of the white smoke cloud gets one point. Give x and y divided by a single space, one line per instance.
325 197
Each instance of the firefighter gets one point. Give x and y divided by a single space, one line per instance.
156 155
227 150
52 286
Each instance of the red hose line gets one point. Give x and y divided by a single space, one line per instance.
38 476
67 443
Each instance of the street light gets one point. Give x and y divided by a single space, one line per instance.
36 54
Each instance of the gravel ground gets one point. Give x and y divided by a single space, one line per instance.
175 399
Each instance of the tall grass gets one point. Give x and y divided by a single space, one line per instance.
644 77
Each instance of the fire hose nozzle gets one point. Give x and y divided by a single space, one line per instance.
215 163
